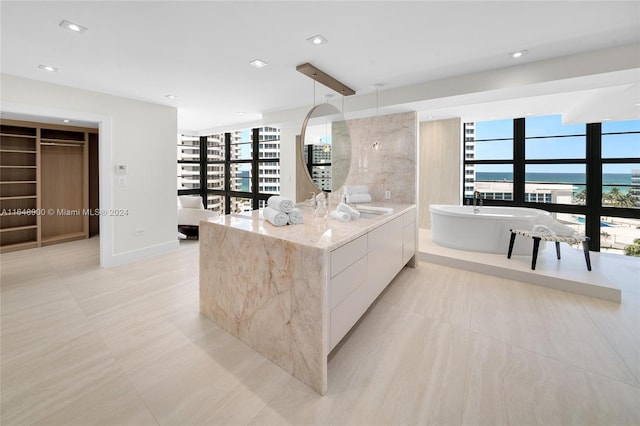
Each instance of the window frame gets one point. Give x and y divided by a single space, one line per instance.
592 210
253 194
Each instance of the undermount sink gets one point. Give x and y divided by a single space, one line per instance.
370 212
370 215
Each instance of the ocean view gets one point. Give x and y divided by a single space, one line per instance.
622 181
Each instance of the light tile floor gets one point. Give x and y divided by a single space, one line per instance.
84 345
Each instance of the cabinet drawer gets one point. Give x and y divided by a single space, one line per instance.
348 254
348 312
346 281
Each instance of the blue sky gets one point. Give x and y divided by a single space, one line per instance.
613 146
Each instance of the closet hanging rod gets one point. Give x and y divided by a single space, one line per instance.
61 144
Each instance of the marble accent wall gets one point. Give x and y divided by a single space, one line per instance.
392 167
440 166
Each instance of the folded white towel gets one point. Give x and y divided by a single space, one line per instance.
544 219
296 217
280 203
542 230
340 216
342 207
561 229
358 198
274 216
357 189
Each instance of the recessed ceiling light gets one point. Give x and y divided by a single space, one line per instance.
317 40
66 121
170 97
518 54
493 117
258 63
240 113
73 27
48 68
529 113
637 103
607 119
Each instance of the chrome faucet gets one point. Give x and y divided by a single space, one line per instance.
477 200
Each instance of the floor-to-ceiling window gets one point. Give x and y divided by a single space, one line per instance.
587 175
239 172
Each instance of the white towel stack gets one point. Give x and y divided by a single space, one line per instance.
296 217
357 194
281 211
545 224
542 230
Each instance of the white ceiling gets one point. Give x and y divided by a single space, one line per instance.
200 52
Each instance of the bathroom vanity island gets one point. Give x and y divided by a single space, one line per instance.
293 292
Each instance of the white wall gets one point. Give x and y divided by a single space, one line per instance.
440 166
139 134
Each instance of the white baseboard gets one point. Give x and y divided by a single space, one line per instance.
131 256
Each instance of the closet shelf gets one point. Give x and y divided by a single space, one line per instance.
19 246
13 135
63 141
20 151
18 228
20 197
13 182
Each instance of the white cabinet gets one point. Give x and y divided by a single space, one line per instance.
408 236
362 269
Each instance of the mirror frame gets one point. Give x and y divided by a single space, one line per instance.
331 110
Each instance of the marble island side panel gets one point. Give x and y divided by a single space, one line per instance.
271 294
269 285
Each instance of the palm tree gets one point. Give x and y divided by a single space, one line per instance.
580 197
633 249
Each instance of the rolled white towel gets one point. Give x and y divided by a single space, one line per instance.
342 207
296 217
544 219
356 189
358 198
542 230
340 216
561 229
274 216
280 203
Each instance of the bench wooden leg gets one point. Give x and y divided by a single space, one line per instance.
558 249
536 245
511 241
585 247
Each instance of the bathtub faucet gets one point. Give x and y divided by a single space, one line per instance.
477 198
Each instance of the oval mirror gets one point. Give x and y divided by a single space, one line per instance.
326 147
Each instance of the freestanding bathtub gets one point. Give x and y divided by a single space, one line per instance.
487 230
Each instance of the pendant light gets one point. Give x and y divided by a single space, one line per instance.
376 143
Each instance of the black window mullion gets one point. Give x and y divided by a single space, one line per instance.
518 161
203 170
227 173
594 185
255 138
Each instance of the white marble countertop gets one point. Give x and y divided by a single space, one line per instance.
327 234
